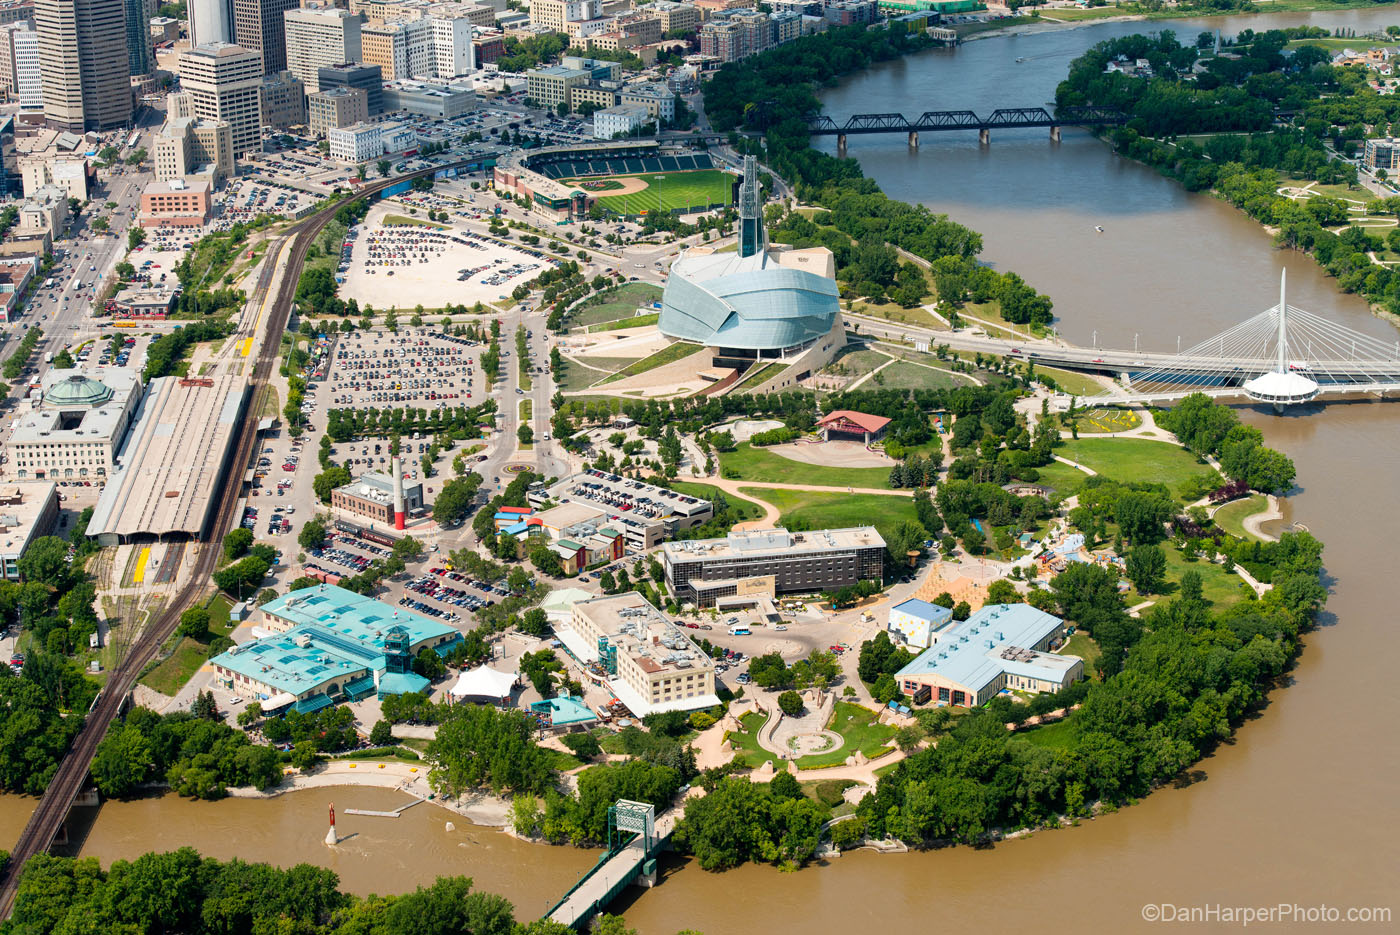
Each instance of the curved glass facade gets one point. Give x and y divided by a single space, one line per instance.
754 306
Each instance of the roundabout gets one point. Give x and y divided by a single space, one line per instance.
516 468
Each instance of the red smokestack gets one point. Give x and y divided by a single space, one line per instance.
398 494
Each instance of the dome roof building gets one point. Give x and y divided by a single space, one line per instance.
78 390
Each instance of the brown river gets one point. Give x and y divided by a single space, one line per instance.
1299 809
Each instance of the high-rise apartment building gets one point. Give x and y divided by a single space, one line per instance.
83 58
139 61
211 21
258 25
223 81
19 65
320 37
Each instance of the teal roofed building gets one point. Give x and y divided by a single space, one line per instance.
329 645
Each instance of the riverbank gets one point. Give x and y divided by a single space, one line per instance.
482 809
1055 20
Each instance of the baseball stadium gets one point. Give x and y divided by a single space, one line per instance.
629 179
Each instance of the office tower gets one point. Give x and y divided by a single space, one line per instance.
453 53
283 101
222 81
320 37
211 21
19 64
83 59
257 25
139 61
368 78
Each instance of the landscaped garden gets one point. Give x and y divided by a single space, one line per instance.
1107 420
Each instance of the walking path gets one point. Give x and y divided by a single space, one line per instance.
870 374
1253 524
1075 464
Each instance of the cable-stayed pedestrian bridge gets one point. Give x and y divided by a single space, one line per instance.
1284 356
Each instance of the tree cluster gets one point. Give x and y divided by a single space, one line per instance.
198 757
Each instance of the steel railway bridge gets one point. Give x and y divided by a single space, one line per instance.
935 121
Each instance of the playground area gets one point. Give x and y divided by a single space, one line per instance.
631 195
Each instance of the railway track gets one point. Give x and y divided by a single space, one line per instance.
53 807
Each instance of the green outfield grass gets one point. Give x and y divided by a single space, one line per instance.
698 188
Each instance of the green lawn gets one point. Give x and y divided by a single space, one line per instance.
1231 516
219 607
1107 420
759 375
636 321
562 761
811 509
1134 459
667 355
614 304
1076 384
745 742
580 374
860 728
1222 588
1083 646
170 675
741 508
857 362
1342 191
903 375
748 463
700 188
1065 480
1060 733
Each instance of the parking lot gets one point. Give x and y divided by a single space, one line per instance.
243 201
401 266
422 366
276 474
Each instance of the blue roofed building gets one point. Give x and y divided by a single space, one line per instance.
329 645
1002 646
918 622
